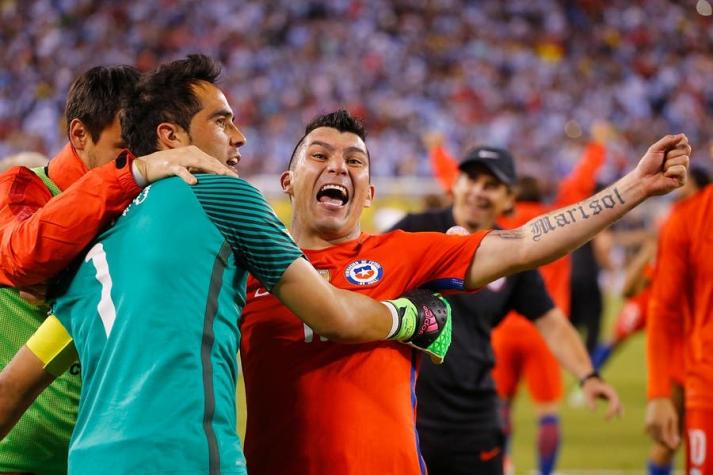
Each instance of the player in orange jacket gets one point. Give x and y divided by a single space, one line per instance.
681 315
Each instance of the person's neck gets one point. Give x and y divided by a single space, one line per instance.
83 157
471 227
307 238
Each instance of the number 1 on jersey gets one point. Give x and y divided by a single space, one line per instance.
106 309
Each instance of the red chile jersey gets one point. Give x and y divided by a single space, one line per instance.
317 407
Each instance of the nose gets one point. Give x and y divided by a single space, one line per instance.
337 165
237 139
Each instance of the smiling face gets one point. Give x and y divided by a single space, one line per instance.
212 128
329 185
479 198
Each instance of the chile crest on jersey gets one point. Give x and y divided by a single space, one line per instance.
364 272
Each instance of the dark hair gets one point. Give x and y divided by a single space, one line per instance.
98 95
341 120
528 189
700 176
165 95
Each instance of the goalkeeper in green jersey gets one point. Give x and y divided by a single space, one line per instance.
42 233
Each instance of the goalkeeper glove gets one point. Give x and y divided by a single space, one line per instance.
424 322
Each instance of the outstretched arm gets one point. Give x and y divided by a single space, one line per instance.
548 237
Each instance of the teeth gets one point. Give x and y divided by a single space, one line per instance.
334 187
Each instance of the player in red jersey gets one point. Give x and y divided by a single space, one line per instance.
318 407
681 313
668 378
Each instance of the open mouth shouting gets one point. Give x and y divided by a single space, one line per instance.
333 196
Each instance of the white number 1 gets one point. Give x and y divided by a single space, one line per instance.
106 309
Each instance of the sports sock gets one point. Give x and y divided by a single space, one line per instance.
548 442
654 469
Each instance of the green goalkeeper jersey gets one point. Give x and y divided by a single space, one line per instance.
38 443
153 310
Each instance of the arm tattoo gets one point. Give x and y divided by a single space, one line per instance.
509 234
582 210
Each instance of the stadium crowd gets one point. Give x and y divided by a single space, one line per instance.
524 75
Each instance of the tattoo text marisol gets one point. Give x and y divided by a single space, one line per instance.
549 223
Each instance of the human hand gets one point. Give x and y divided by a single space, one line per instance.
35 294
662 422
664 166
181 162
433 140
595 388
603 132
457 231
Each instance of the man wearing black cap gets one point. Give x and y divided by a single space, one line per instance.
458 422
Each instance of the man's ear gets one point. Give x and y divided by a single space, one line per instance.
370 198
79 134
286 182
171 135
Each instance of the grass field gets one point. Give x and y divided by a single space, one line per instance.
591 445
589 442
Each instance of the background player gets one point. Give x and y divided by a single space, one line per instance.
41 235
334 387
459 423
518 345
680 318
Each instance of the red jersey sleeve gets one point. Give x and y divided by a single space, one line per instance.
667 306
447 258
40 235
582 181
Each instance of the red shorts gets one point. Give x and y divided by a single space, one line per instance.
521 351
699 441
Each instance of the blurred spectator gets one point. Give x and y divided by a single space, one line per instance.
527 75
23 159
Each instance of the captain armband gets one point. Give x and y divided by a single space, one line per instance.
53 346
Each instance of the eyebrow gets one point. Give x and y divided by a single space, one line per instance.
221 113
331 147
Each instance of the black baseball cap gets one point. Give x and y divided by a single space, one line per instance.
497 160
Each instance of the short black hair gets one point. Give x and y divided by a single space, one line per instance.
165 95
700 176
98 95
341 120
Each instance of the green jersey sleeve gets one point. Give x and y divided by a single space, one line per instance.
257 237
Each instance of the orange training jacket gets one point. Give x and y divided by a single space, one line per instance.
39 234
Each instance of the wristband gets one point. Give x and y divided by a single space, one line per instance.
395 320
593 374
